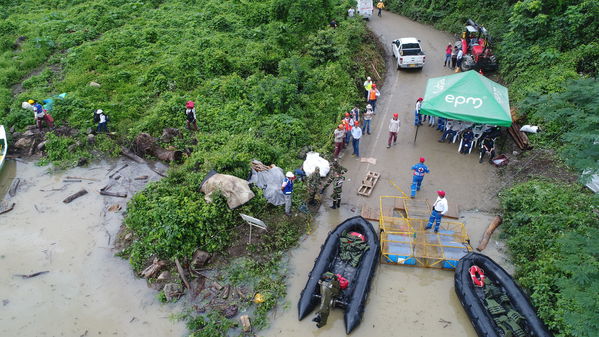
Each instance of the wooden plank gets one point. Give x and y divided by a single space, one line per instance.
74 196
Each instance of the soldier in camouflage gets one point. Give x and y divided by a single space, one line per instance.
337 167
329 290
337 179
313 186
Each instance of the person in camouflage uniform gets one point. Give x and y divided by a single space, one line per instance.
337 178
329 290
337 167
313 186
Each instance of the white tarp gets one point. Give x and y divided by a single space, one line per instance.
314 160
270 182
235 190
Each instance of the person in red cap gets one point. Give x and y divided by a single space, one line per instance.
190 114
418 175
339 136
394 125
373 95
418 116
439 210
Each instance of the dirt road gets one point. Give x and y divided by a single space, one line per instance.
403 301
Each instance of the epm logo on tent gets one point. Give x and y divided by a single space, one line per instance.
459 100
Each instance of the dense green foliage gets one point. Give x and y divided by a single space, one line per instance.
570 117
552 233
540 45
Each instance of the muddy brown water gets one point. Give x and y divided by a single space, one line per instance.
88 291
403 301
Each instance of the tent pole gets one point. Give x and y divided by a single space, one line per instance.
416 134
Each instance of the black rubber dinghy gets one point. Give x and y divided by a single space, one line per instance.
473 297
353 298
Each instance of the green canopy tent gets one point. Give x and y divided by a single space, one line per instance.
467 96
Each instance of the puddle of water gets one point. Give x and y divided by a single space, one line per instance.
402 299
88 291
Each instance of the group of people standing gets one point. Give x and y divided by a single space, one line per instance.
453 57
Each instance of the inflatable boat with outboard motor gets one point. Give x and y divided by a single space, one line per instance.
358 270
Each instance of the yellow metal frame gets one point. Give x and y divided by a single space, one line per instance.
426 248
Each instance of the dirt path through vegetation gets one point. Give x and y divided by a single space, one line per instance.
403 301
88 291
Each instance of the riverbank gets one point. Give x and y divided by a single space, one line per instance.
87 291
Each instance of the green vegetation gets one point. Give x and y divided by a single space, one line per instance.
540 45
552 231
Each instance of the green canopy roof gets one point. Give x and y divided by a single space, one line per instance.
467 96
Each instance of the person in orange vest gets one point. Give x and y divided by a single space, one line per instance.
348 122
380 6
373 95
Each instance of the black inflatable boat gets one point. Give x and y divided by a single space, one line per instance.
497 305
353 298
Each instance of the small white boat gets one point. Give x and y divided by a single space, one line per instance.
3 146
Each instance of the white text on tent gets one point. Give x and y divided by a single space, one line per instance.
458 100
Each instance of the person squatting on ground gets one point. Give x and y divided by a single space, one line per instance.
448 50
287 189
488 145
380 6
339 136
102 119
417 115
439 210
367 86
373 95
190 115
394 125
313 186
356 133
329 290
367 117
417 176
337 178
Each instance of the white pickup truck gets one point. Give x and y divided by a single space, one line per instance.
408 53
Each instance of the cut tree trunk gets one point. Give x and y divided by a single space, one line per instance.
487 235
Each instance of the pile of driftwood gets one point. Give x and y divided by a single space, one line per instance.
519 137
145 144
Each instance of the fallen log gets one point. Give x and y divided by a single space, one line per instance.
117 171
13 187
146 144
152 269
8 209
182 274
113 194
71 180
129 154
74 196
141 178
81 178
487 235
32 275
107 187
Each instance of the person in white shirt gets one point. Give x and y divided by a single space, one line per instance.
439 209
351 12
459 58
367 118
394 124
356 133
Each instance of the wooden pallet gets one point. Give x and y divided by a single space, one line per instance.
368 183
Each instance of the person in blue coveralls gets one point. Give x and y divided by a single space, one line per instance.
287 189
419 171
439 210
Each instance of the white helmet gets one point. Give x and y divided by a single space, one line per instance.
368 78
289 174
99 111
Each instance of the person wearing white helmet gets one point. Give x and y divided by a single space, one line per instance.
367 87
287 189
